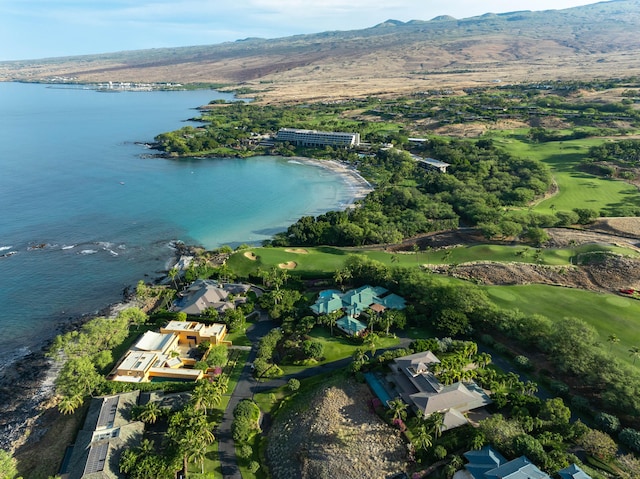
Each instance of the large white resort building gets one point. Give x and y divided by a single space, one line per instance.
317 138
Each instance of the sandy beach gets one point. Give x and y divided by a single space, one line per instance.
358 186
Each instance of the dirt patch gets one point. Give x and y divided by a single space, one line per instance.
250 255
289 265
297 250
335 435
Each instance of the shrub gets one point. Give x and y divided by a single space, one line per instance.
607 422
630 438
293 384
598 444
523 362
580 403
253 467
487 339
245 451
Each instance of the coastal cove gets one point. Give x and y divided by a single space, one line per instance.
88 216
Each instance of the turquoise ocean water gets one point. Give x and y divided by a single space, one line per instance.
88 215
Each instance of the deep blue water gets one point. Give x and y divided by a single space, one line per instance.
74 178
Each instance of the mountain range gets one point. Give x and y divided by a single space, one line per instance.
595 41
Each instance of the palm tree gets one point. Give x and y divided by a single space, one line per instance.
612 339
360 356
69 404
398 408
371 341
173 272
422 439
634 352
435 422
150 413
198 454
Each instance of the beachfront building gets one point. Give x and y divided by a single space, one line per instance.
169 354
203 294
355 302
106 433
318 138
417 386
192 333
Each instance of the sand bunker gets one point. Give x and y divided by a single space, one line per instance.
250 255
297 250
289 265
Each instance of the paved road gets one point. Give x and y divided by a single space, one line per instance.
247 386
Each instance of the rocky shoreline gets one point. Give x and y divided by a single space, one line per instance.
27 385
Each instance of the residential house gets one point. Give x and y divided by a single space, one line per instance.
487 463
106 433
168 354
416 385
193 333
203 294
355 302
573 472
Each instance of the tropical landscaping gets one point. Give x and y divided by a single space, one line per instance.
491 285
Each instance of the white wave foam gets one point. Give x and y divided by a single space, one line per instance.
4 248
113 253
89 251
294 162
105 244
71 246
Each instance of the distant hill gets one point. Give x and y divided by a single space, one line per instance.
393 57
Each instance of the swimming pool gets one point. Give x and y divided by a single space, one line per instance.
376 386
328 293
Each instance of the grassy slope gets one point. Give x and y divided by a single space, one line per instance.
609 314
576 189
324 261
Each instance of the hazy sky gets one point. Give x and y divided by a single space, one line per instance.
32 29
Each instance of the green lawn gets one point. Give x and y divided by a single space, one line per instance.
324 261
337 347
608 313
576 189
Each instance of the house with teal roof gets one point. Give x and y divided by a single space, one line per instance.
487 463
327 305
355 302
573 472
351 326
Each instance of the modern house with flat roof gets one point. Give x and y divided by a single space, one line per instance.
193 333
168 354
317 138
420 388
106 433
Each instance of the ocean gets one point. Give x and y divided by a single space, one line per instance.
87 213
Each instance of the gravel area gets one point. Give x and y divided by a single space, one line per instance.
335 436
